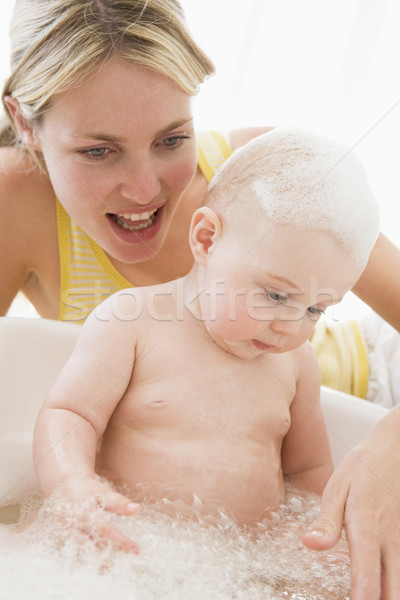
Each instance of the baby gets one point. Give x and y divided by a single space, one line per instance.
207 386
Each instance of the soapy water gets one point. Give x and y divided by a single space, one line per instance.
204 558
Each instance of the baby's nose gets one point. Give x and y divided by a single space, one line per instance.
286 325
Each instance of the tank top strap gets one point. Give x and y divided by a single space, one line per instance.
213 150
87 275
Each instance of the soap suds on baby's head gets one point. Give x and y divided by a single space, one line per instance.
308 181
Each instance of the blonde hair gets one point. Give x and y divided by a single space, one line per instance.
56 44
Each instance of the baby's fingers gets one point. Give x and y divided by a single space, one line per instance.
112 535
104 532
103 529
119 504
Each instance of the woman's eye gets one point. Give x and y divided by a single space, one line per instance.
174 140
277 297
95 152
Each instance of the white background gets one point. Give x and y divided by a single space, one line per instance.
331 66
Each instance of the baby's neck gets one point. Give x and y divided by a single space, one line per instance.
192 289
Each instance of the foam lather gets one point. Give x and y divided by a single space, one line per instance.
311 182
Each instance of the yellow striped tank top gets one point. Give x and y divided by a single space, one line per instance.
342 356
87 275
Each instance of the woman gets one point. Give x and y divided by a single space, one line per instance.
101 196
122 114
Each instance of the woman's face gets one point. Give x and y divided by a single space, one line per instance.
120 150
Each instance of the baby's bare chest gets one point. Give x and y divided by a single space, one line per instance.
209 394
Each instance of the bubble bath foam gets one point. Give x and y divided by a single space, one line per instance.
201 558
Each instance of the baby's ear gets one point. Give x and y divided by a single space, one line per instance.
205 229
24 129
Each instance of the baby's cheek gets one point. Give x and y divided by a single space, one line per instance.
308 328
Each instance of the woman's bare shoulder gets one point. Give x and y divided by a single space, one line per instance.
237 137
27 201
27 223
21 180
240 137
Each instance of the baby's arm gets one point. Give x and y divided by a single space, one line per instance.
76 413
306 455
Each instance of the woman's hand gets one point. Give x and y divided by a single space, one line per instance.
363 494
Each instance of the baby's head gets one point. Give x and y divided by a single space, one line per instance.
301 179
286 230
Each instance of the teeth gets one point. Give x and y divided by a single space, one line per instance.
137 227
145 216
149 216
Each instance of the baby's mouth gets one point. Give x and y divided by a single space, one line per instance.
135 221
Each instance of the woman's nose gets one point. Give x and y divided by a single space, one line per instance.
140 183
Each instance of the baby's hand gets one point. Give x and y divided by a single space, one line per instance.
90 500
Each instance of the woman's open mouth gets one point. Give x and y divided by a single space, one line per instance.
137 227
135 221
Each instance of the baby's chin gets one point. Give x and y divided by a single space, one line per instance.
241 349
244 349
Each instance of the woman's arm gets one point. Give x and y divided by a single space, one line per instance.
379 285
14 243
363 494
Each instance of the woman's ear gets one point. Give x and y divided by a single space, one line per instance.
24 129
205 229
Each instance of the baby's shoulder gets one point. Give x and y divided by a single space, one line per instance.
136 305
305 362
304 354
116 322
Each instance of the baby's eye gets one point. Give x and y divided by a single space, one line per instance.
314 310
281 298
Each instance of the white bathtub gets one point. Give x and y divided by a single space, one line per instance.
32 352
